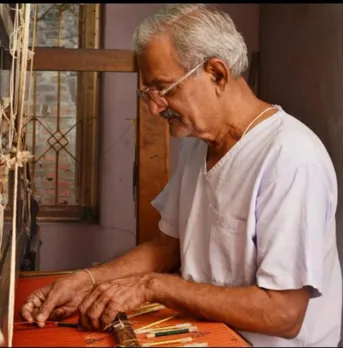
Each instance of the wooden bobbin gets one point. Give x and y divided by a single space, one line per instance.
124 334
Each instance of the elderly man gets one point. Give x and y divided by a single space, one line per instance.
249 215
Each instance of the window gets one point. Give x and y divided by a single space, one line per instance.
63 111
70 73
62 129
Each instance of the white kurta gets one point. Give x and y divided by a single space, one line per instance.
265 215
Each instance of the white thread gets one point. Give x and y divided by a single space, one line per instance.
22 67
256 118
2 219
20 158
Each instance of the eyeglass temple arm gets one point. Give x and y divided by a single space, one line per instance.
182 78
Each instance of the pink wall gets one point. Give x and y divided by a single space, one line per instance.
68 246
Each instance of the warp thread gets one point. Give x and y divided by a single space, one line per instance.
18 36
19 43
20 158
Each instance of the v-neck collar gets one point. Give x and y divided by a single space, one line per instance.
241 142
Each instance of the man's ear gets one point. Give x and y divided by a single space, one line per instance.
217 68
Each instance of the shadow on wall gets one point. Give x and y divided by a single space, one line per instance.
302 70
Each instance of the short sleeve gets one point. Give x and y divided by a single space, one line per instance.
167 202
293 214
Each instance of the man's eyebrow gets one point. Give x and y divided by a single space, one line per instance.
156 82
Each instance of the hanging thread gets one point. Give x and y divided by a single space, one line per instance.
256 118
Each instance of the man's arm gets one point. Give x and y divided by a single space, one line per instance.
250 308
162 254
62 298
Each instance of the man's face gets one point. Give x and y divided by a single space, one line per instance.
192 104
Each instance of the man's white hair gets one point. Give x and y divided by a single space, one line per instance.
198 32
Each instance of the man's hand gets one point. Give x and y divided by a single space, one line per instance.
101 306
58 300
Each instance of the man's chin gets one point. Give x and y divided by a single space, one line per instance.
178 131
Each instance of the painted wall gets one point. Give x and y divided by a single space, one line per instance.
302 70
69 246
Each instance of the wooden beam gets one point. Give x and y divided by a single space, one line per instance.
89 111
83 59
152 166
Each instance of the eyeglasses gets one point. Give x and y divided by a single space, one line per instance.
158 96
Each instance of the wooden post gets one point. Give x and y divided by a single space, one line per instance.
153 168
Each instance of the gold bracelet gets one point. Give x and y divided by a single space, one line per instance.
90 275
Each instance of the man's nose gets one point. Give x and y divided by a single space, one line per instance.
155 108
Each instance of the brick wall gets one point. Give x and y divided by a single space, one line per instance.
54 163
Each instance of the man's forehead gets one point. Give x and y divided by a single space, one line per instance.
158 63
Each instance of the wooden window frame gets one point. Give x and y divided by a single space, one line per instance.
86 175
87 118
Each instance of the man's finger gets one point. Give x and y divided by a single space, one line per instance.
109 314
94 312
34 301
27 311
61 313
90 298
48 306
84 319
37 302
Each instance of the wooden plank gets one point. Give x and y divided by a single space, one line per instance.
89 113
53 213
152 157
83 59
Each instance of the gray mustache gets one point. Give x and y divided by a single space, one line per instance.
168 113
